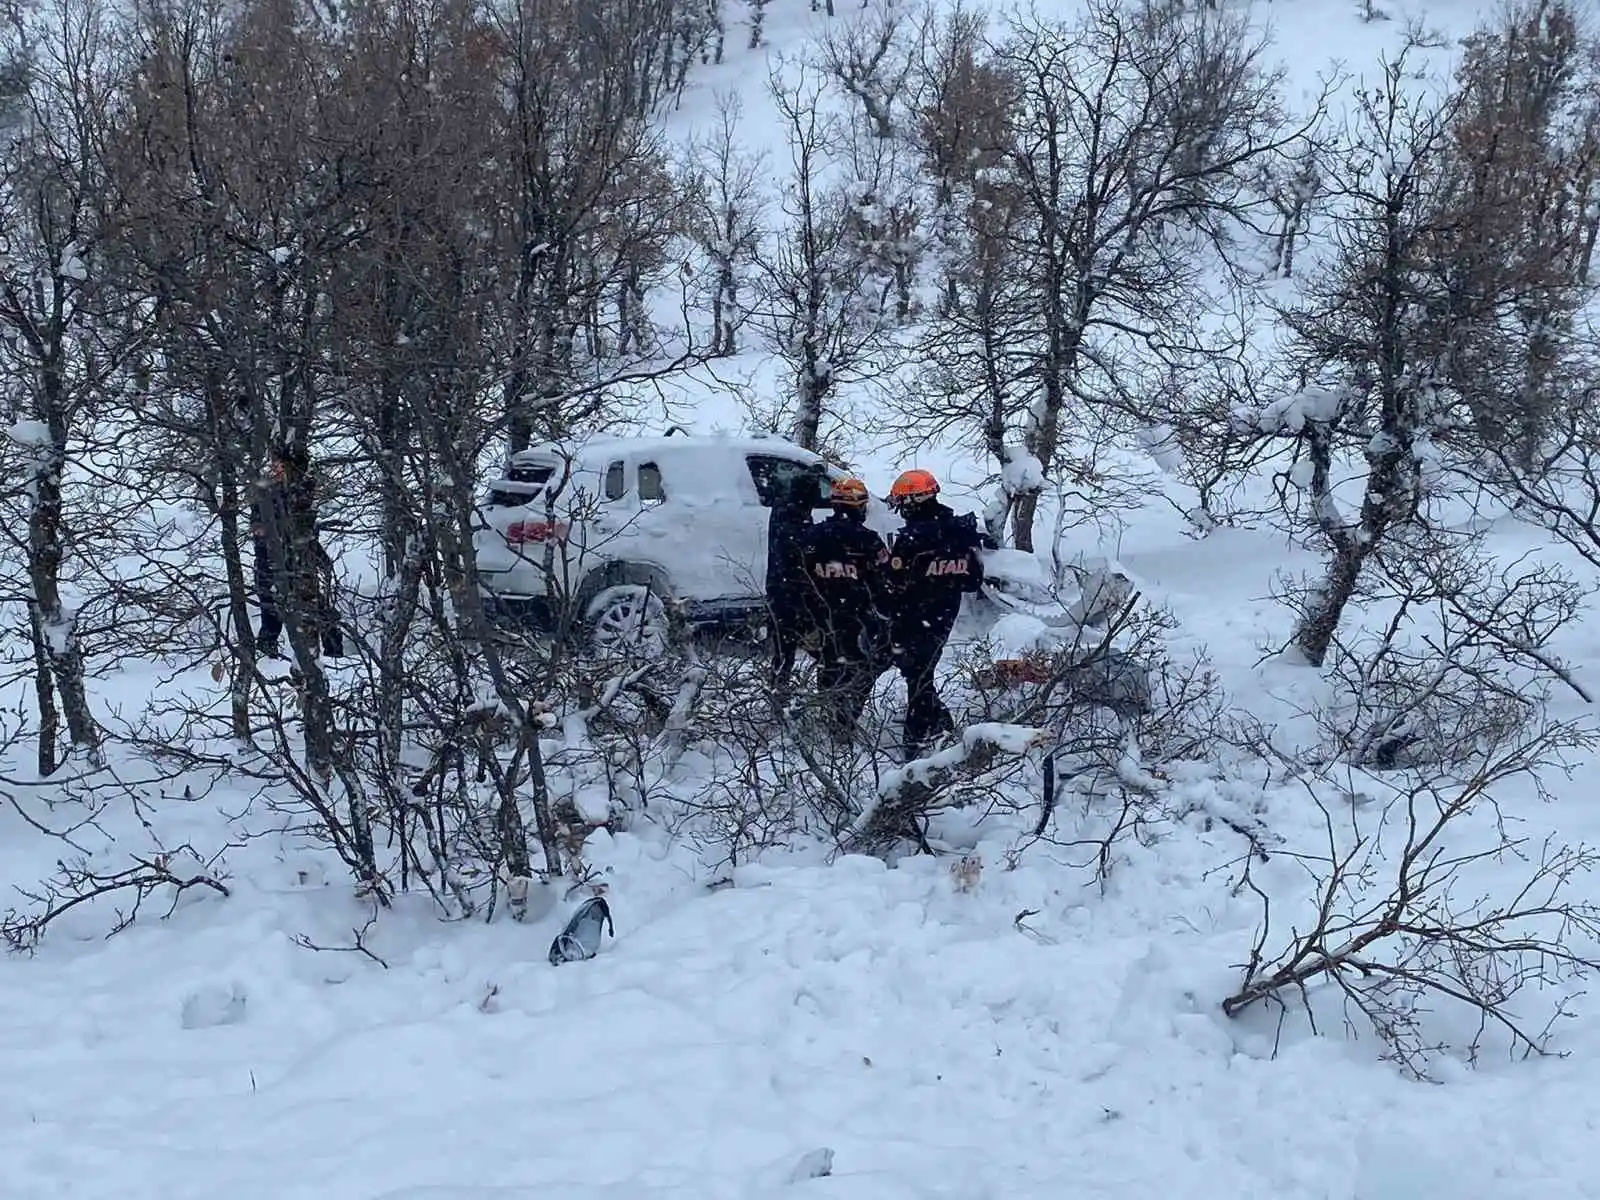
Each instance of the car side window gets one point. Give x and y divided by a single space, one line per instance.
616 483
779 479
650 489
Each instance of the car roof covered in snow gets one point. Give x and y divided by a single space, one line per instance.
593 450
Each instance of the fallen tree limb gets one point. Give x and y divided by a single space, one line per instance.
76 884
911 791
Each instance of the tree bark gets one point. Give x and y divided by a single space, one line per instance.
44 690
1314 633
55 625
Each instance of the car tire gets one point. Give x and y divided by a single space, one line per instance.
629 620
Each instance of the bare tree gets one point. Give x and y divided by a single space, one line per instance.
1194 439
726 222
1560 490
1293 187
1393 935
976 352
199 432
590 203
963 97
704 33
757 21
1131 140
818 310
1461 653
872 57
171 871
1514 242
1378 333
888 219
68 338
230 215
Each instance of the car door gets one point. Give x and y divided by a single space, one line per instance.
701 526
647 535
614 530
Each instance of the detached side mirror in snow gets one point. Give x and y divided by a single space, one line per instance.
582 937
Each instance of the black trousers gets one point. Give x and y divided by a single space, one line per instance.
271 622
918 652
325 622
850 664
791 621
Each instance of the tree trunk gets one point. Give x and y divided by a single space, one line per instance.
1023 514
238 611
544 366
1541 356
1040 441
724 306
1064 331
1314 633
731 310
44 689
454 534
395 498
55 625
513 833
811 394
1389 499
403 599
227 452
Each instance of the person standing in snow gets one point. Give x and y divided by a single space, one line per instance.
271 498
933 562
788 612
284 515
845 567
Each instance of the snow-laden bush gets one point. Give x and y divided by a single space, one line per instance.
1458 654
1431 921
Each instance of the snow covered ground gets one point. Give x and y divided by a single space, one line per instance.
821 1029
913 1025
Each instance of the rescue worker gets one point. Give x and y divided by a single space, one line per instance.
285 515
788 612
844 564
272 495
933 561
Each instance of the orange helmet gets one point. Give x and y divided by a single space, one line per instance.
912 486
848 493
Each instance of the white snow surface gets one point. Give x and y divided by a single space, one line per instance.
1022 473
1033 1035
29 433
822 1028
1293 412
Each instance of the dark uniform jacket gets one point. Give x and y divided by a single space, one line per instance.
933 562
844 563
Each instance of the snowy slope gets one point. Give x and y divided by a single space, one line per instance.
935 1043
1315 41
914 1024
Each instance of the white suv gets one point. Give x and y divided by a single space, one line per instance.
624 535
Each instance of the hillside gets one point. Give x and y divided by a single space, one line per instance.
219 990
